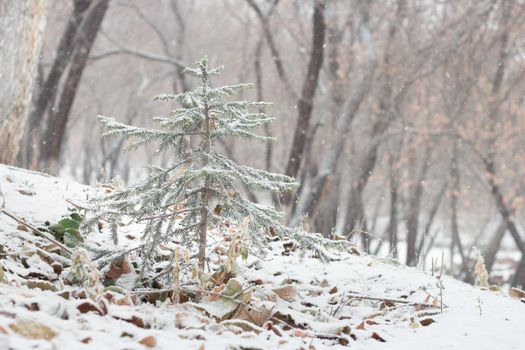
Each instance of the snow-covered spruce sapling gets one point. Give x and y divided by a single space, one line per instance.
201 189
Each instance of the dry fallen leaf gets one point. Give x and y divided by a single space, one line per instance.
427 321
149 341
86 340
516 293
378 337
32 329
22 227
89 306
287 293
257 317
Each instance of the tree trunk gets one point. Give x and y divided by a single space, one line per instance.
48 90
454 194
306 101
56 125
21 27
493 247
414 209
393 222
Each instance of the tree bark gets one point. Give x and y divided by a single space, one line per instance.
306 101
454 195
414 209
493 247
355 205
393 222
56 125
47 93
21 28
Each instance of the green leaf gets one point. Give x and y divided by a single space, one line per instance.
77 217
233 288
60 228
73 238
108 282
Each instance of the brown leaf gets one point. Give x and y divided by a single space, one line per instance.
361 326
378 337
516 293
32 307
345 330
89 306
115 271
86 340
257 317
385 304
26 192
288 293
22 227
216 292
57 267
427 321
137 321
289 246
149 341
333 290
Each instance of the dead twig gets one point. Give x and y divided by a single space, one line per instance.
37 231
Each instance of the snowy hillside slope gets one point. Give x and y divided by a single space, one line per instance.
356 301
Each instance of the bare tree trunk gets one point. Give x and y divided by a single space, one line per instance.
393 222
260 97
493 247
21 27
325 218
306 101
47 93
430 220
414 209
355 214
330 158
454 194
56 125
181 41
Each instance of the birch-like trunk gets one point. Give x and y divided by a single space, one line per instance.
21 27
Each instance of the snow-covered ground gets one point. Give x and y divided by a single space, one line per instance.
356 301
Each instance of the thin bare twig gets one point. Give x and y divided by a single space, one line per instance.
37 231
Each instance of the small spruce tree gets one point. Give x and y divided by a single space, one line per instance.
202 188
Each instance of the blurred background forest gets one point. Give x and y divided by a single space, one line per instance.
404 120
